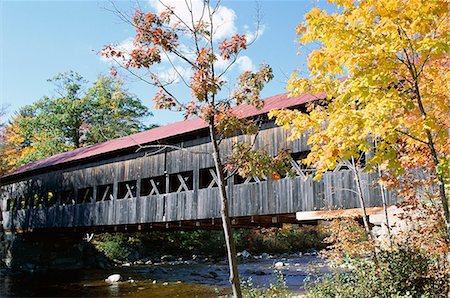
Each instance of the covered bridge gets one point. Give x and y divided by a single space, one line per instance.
115 186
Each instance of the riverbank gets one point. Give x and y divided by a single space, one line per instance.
199 277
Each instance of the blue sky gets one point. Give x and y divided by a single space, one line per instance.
41 39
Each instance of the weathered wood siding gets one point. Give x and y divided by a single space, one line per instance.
287 195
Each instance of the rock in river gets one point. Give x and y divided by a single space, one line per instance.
113 278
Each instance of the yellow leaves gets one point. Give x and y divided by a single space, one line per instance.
298 85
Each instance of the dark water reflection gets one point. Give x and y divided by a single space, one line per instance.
176 279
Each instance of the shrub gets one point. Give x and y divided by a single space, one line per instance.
414 265
401 273
114 246
289 238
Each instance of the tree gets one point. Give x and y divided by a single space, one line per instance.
189 36
74 119
394 55
3 161
113 105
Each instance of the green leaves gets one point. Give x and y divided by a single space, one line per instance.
73 119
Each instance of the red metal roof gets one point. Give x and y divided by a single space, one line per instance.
159 133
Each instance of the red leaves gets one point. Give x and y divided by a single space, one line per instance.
232 47
150 30
276 176
205 58
250 85
144 58
228 124
152 37
113 71
203 83
162 101
251 162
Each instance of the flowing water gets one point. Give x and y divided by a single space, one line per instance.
170 279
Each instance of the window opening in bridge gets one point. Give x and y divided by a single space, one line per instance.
181 182
238 179
13 205
67 197
51 198
85 195
127 189
9 205
298 166
23 202
38 201
207 178
153 186
105 192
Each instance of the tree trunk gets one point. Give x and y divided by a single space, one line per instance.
226 222
362 201
441 184
383 198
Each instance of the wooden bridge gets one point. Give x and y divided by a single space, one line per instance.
115 186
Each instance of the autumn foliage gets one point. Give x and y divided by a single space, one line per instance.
168 36
384 67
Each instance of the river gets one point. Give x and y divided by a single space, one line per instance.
200 278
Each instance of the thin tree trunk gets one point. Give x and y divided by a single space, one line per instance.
362 201
441 185
226 222
383 198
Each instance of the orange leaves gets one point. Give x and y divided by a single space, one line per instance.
205 58
162 101
249 162
228 124
232 47
276 176
300 29
250 85
347 238
150 30
203 83
152 37
144 58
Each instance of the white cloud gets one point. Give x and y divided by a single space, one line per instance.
224 19
172 75
245 64
254 35
221 63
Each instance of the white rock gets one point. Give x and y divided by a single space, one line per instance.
279 265
113 278
246 254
